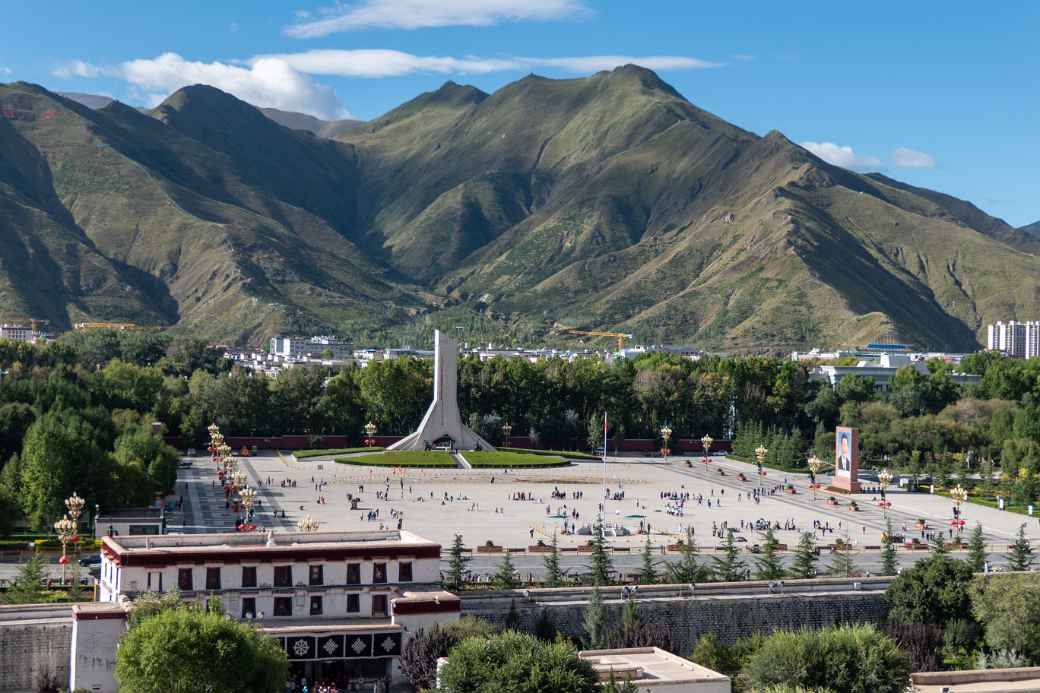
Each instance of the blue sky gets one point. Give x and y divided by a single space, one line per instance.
940 94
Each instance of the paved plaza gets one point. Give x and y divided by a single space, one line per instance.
516 508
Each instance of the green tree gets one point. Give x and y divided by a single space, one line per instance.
161 654
648 572
518 663
977 550
553 571
27 587
687 569
805 558
933 591
842 564
859 658
457 565
421 651
889 565
1020 556
504 578
729 567
595 622
602 567
1008 608
769 565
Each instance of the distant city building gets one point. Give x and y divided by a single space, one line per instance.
131 522
19 333
882 370
319 347
1013 338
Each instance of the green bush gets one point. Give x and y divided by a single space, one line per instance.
859 658
518 663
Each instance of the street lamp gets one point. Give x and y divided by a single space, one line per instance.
507 430
884 478
65 528
959 494
666 433
307 524
706 442
814 467
75 506
370 430
248 496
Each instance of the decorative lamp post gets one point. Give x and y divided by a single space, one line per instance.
666 433
239 480
507 431
814 467
65 528
370 431
307 524
75 506
959 494
760 455
248 496
706 442
884 478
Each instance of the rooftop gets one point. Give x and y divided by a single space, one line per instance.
649 666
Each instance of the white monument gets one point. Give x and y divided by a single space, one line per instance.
442 426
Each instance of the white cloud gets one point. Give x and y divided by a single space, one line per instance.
418 14
842 155
390 63
904 157
78 68
264 82
5 70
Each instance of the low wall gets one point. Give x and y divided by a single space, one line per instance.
727 616
32 646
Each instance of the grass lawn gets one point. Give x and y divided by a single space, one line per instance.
401 458
512 459
303 454
572 454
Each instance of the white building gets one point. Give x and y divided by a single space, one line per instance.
1017 339
341 603
297 348
882 370
18 333
653 670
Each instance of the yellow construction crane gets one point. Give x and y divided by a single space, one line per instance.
620 336
105 326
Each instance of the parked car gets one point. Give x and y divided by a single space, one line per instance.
93 559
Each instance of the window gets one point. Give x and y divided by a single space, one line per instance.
379 572
283 606
283 576
315 606
184 581
353 603
213 578
353 573
249 576
248 607
317 575
404 571
379 605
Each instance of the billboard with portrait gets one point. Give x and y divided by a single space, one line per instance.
846 458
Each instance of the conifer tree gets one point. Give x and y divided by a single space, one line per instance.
889 566
977 550
553 572
842 565
728 567
769 566
686 569
457 564
1020 557
601 565
595 622
648 573
805 558
504 579
27 587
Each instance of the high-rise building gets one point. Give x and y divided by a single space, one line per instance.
1017 339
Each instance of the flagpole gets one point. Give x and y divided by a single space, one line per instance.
603 491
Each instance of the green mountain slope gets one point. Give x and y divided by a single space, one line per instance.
607 201
1031 229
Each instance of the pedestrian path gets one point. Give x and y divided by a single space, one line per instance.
461 461
204 505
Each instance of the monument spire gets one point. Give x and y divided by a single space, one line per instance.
442 425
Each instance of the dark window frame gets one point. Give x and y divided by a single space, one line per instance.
355 600
283 570
251 602
213 577
281 601
376 569
404 567
316 600
249 570
353 573
186 585
320 575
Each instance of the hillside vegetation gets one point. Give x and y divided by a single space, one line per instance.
608 201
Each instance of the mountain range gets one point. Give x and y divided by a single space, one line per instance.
606 202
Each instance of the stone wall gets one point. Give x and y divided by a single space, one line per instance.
30 649
727 616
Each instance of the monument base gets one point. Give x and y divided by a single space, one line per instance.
854 488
